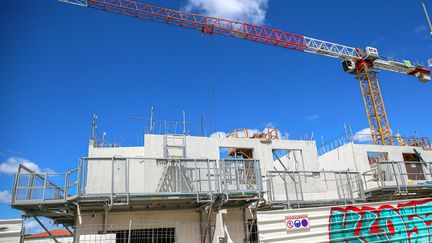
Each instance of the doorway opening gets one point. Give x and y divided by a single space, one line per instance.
413 167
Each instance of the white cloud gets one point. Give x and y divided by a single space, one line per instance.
363 136
270 125
218 135
10 165
5 197
252 11
31 226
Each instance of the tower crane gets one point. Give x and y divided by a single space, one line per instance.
363 63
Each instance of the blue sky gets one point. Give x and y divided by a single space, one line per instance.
60 63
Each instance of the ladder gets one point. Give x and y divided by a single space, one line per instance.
174 146
175 178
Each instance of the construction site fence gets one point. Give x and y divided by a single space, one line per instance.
167 232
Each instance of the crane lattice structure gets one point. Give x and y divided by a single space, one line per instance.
362 63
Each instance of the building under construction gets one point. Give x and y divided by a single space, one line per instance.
181 188
245 186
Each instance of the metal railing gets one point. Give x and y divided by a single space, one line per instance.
295 188
30 186
119 179
324 147
398 175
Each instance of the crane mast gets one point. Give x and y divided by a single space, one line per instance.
362 63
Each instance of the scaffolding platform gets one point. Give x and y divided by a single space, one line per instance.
181 184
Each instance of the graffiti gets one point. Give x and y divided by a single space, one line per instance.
409 222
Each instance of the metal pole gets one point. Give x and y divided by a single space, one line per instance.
112 179
130 231
395 176
45 228
45 187
237 174
151 120
349 186
427 17
65 190
286 189
184 122
93 132
177 233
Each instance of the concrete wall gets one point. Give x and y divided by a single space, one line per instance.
145 174
354 156
208 148
11 230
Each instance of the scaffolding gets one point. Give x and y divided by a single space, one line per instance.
296 189
116 182
395 179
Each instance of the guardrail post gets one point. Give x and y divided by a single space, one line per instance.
365 181
112 180
272 189
208 176
286 189
237 174
258 177
395 176
349 186
15 186
301 189
45 186
65 190
403 181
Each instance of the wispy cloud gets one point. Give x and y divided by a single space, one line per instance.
420 29
270 124
11 164
253 11
313 117
363 136
374 43
218 135
32 227
5 197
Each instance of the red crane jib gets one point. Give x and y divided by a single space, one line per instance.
207 25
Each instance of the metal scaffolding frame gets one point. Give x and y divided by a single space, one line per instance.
392 178
295 189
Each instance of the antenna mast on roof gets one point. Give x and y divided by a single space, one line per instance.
94 127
